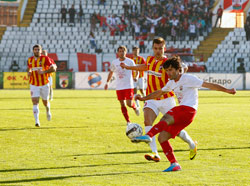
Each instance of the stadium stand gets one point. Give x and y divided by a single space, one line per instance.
46 29
228 55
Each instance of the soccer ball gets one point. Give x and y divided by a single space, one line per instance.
133 130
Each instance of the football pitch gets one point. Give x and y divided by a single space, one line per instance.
85 143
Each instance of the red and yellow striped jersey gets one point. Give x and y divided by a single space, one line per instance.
43 63
139 61
157 76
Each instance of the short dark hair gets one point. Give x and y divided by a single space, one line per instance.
37 46
135 47
122 47
174 62
159 40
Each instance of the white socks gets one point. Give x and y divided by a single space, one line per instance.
186 138
153 143
137 102
48 107
36 113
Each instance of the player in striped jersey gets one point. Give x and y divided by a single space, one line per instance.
45 53
139 76
39 68
156 80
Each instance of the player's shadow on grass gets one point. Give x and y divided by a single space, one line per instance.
75 176
40 128
71 167
178 150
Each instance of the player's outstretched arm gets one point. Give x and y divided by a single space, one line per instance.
153 95
142 67
217 87
109 78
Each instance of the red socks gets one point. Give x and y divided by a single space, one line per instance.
157 128
168 151
133 105
125 113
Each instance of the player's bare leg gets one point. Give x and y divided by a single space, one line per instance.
35 101
136 101
51 93
46 103
132 105
149 118
142 92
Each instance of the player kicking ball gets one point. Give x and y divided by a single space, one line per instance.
185 87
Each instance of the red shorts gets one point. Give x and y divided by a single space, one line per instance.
126 94
183 116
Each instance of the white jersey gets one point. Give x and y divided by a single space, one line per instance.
124 78
186 89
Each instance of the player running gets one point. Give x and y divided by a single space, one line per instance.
38 70
185 86
45 53
124 82
139 76
156 80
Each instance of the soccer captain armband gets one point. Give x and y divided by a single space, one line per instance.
36 68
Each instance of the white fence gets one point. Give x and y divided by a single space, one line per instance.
97 80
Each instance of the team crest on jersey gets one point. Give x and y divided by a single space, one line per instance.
181 88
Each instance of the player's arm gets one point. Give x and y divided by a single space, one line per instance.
109 78
136 75
29 70
50 70
142 67
153 95
217 87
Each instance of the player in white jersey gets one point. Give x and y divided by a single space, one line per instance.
124 82
185 87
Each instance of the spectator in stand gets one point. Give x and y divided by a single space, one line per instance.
152 32
142 45
126 8
248 17
134 8
154 20
182 32
72 13
192 31
144 29
102 2
63 14
14 67
137 28
241 68
92 40
219 16
80 14
247 30
208 20
173 33
199 27
103 22
93 21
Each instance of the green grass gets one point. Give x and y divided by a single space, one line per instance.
85 143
